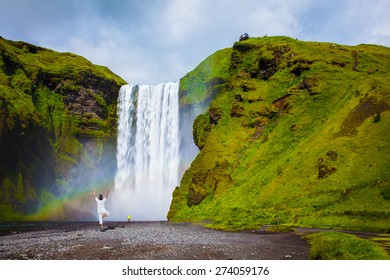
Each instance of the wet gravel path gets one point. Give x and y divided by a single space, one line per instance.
148 241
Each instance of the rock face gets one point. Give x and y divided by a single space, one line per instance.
293 133
244 37
57 121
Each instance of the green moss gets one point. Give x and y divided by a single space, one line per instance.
7 186
203 83
295 125
50 102
21 82
51 108
341 246
382 240
19 192
71 147
8 213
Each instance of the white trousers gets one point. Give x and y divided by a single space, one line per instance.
101 216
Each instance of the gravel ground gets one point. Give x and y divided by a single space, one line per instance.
146 241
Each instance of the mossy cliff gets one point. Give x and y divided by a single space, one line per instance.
57 121
294 133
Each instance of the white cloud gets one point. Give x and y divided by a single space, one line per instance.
274 22
180 19
347 22
155 41
372 21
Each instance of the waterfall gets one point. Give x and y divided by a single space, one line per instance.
148 158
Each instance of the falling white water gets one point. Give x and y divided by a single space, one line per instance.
147 151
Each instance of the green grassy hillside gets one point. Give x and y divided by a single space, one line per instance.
297 133
57 121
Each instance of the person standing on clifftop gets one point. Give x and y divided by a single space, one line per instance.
101 210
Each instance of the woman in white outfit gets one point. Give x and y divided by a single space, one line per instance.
101 210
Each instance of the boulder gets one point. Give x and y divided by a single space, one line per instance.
244 37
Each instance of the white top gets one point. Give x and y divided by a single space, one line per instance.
100 205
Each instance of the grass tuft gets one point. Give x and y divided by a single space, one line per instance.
342 246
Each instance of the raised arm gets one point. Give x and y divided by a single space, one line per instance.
94 194
107 193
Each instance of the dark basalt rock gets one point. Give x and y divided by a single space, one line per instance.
244 37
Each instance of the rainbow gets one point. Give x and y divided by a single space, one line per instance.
77 205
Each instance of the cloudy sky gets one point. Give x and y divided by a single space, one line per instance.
153 41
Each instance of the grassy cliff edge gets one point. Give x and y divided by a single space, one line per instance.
57 125
297 133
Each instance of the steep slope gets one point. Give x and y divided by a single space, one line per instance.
297 133
57 126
